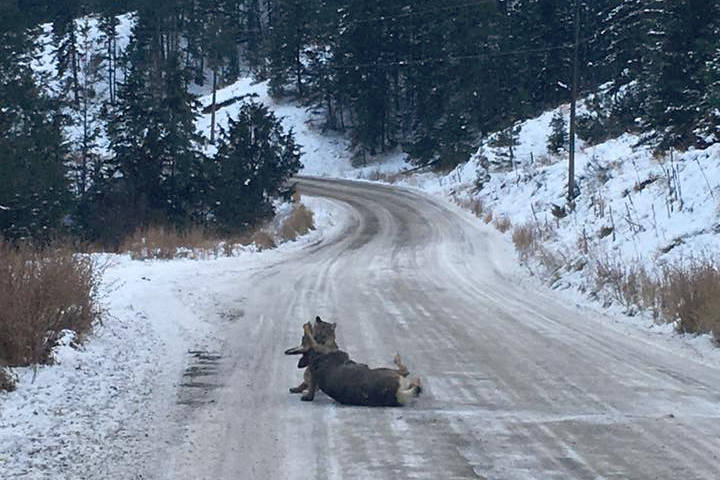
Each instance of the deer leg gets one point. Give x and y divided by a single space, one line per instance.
402 369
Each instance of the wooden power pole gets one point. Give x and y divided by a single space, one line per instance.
573 107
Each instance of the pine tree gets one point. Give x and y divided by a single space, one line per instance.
289 35
710 105
558 139
34 193
108 24
674 78
152 130
65 37
255 158
507 138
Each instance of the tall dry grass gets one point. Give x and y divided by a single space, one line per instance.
165 242
690 294
299 222
42 293
685 292
162 242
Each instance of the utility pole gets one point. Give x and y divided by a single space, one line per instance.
573 106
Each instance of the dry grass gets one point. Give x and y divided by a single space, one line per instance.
526 238
7 382
263 240
299 222
163 242
687 293
475 205
378 176
41 294
627 283
488 216
160 242
690 295
502 223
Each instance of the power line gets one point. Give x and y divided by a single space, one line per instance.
449 58
381 17
476 3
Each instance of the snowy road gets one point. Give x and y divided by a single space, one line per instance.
517 385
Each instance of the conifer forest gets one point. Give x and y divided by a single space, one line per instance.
107 142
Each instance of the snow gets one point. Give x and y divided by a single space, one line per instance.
324 153
45 66
99 398
105 400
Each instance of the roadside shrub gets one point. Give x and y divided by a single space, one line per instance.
298 223
502 223
43 292
262 240
525 238
7 382
166 242
628 283
690 294
475 205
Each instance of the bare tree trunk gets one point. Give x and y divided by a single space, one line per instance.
212 114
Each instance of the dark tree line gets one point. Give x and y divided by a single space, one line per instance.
155 168
428 77
433 76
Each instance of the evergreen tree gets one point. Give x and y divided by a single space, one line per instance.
508 138
255 158
289 36
65 37
108 24
558 139
710 105
152 130
674 79
33 192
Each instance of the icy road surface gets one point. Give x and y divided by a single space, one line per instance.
517 385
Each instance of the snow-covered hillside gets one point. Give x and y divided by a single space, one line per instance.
660 208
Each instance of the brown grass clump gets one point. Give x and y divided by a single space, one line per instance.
299 222
488 216
262 240
475 205
163 242
43 292
526 237
503 224
690 294
7 382
627 283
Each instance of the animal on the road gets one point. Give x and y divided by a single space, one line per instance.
324 333
354 383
